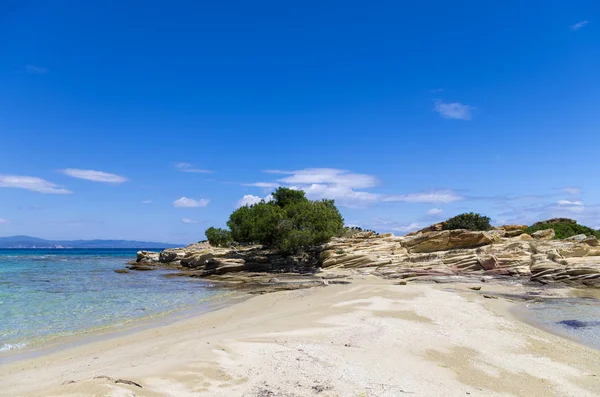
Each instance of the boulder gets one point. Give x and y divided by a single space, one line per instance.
147 256
513 230
197 259
171 255
446 240
546 234
577 238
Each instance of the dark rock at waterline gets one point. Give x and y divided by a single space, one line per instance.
122 271
141 267
579 324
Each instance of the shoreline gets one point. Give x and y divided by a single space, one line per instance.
421 338
43 346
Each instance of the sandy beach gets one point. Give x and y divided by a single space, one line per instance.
369 338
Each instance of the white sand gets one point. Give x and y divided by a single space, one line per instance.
371 338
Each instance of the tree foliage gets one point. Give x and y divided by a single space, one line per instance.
290 222
469 221
218 237
563 228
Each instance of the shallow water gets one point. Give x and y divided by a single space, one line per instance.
575 318
51 293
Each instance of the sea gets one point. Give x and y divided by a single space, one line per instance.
50 294
576 317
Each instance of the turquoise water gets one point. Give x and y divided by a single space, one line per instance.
50 293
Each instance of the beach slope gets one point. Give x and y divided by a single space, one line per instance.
369 338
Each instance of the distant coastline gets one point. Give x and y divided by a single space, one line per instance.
28 242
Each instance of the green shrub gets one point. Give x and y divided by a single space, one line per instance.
470 221
218 237
290 222
563 228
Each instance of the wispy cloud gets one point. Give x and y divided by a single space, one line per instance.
95 176
388 225
187 167
146 201
569 202
435 211
264 185
188 221
579 25
185 202
330 176
3 221
349 189
454 110
32 69
440 196
32 183
572 190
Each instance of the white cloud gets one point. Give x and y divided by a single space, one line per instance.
32 183
250 199
347 188
330 183
95 176
572 190
188 221
569 202
265 185
435 211
330 176
187 167
3 221
147 202
579 25
454 110
32 69
185 202
440 196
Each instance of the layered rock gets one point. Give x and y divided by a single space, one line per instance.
504 252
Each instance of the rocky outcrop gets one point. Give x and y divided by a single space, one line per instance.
147 257
447 240
546 234
436 255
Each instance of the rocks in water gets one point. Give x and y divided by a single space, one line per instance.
122 271
546 234
579 324
141 267
147 257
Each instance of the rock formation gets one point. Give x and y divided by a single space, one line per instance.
503 252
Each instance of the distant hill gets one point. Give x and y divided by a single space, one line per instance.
34 242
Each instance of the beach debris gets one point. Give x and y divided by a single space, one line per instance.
68 382
477 288
123 381
490 297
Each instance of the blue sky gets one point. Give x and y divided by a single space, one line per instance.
153 120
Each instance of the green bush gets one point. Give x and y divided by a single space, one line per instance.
470 221
563 228
218 237
290 222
